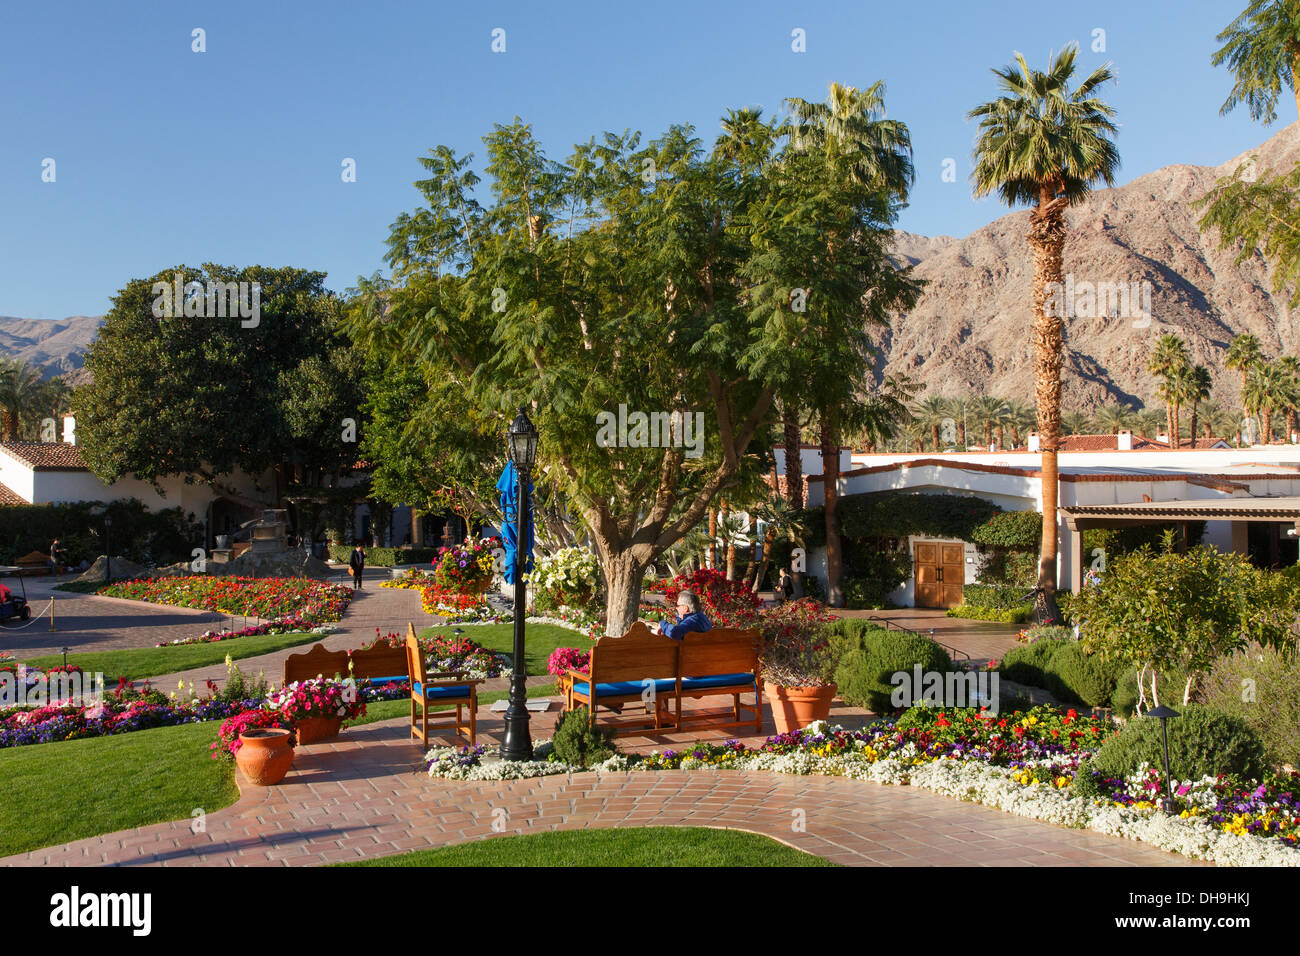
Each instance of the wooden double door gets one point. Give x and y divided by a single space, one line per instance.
939 571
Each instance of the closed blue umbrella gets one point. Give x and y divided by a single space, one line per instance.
507 490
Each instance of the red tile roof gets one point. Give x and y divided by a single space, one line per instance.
46 456
10 497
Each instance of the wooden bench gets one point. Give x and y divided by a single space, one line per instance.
721 662
433 689
378 665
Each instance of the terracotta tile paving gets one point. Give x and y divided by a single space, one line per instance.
363 795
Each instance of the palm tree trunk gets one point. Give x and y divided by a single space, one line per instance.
1194 405
1047 239
1174 435
830 448
793 459
988 434
10 425
1001 438
934 437
713 537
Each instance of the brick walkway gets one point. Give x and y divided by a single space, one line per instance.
364 796
982 640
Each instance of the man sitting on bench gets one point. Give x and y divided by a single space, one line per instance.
689 618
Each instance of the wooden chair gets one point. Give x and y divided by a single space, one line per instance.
721 662
620 672
427 689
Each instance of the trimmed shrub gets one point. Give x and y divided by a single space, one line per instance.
1202 741
866 593
1001 596
864 672
1011 530
385 557
1262 687
578 743
1015 615
1029 663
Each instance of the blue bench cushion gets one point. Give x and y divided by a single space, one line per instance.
716 680
386 680
441 693
625 688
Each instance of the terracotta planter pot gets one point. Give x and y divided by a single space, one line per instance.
794 708
313 729
264 755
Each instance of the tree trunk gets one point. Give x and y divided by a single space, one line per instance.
830 481
934 438
623 576
1174 435
988 434
1047 239
769 538
793 457
10 425
713 538
1194 409
1001 438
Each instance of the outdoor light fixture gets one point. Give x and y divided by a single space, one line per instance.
1163 713
521 445
521 442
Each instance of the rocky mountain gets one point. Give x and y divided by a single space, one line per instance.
968 334
57 346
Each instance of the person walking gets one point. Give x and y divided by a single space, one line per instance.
54 556
358 564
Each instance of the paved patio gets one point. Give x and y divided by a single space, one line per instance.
365 795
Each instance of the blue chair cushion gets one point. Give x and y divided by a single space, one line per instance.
440 693
625 688
716 680
398 679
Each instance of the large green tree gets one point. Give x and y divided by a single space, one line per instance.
204 394
1262 48
628 280
1046 145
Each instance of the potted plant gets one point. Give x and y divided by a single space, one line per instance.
261 744
317 707
798 664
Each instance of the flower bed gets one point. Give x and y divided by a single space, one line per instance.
19 727
416 580
459 608
284 625
270 598
318 697
1024 763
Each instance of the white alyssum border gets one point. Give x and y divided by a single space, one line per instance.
971 781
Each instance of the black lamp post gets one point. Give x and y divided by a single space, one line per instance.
521 444
1163 713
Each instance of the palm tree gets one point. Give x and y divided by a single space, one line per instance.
1021 418
882 415
1220 422
1045 145
1167 357
1269 388
1196 389
1075 423
746 141
1114 418
20 391
1150 421
931 412
1291 368
984 411
851 126
1262 48
1244 353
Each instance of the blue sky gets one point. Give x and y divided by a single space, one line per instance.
163 155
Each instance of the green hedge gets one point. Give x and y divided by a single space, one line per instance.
144 536
1002 596
1261 685
869 655
385 557
866 594
1013 615
898 514
1012 530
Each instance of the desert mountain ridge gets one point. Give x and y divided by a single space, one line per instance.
969 332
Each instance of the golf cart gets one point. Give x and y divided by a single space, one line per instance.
13 606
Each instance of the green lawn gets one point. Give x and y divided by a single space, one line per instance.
389 709
540 640
644 846
57 792
135 663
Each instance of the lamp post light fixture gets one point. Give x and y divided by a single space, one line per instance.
521 446
1163 713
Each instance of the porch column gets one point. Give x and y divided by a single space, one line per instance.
1240 537
416 539
1074 571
